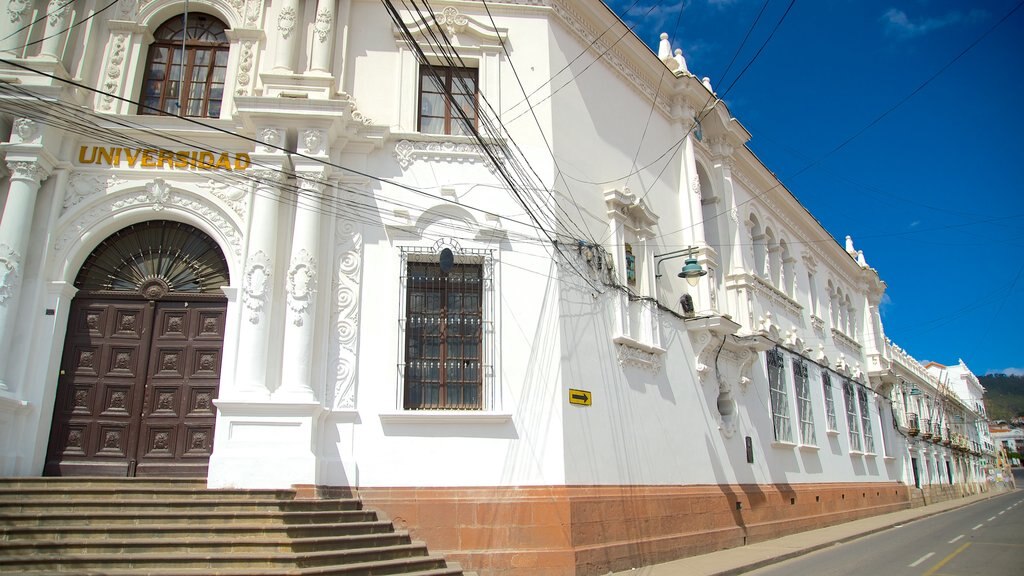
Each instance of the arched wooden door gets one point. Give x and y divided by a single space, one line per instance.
142 357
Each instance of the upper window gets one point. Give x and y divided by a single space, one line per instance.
198 77
448 100
830 404
865 420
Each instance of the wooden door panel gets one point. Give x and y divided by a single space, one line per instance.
136 390
184 373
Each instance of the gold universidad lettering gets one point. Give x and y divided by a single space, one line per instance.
167 159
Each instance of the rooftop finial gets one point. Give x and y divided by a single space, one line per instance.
849 246
664 48
681 60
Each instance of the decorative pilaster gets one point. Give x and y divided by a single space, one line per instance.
286 27
301 287
259 273
15 20
323 37
26 176
56 29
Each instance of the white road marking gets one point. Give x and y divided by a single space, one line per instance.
990 519
922 559
957 538
1001 512
978 526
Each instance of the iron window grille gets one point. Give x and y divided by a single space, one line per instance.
446 329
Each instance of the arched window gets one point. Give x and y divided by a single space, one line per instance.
200 81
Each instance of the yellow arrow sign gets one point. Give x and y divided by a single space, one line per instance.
580 397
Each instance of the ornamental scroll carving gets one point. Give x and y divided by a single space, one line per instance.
453 22
322 25
16 9
10 262
258 275
112 74
636 357
407 152
301 286
286 21
349 244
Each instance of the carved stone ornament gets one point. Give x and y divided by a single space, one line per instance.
57 10
407 152
16 9
257 285
9 264
313 140
159 193
26 171
452 21
112 75
272 139
81 185
126 10
349 243
301 285
639 358
322 26
26 130
232 195
245 63
286 21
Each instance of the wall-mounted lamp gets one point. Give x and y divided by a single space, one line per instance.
692 270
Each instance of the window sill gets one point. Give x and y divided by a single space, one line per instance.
888 458
445 417
783 444
832 432
856 453
808 448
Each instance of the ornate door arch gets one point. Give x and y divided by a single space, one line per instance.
142 355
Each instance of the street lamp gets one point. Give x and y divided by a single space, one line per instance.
692 270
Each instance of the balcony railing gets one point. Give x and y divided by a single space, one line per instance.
913 424
926 428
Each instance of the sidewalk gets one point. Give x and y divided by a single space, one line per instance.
753 556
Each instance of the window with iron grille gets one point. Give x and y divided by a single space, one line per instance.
779 396
852 419
830 402
448 100
197 76
803 403
447 331
865 419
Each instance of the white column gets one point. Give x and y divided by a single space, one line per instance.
26 175
301 287
15 18
288 32
323 37
259 278
55 33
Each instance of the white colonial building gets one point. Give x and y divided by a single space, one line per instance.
427 254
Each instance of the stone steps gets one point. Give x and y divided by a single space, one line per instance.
170 527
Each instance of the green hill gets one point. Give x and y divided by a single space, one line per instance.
1004 396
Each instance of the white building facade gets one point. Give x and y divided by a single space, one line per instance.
315 243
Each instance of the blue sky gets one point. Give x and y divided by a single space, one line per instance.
932 192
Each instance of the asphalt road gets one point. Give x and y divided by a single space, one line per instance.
984 538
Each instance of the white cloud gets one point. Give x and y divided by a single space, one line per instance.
1007 371
915 223
897 23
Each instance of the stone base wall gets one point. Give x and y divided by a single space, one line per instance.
591 530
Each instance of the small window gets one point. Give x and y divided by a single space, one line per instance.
198 78
448 100
779 396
